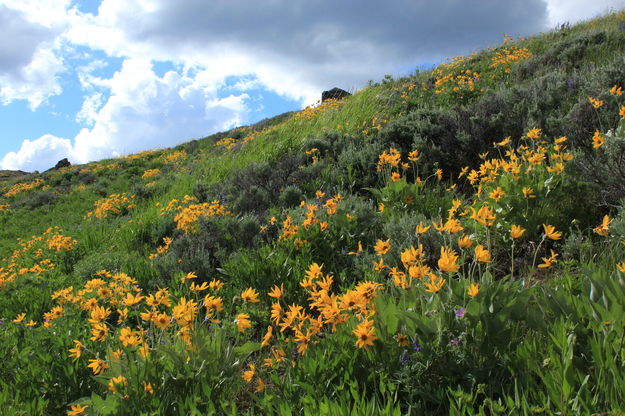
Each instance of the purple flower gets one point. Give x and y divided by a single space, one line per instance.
404 357
454 341
460 313
415 344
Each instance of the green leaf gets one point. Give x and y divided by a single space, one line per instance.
247 348
106 406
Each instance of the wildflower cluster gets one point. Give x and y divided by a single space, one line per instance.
455 79
115 204
20 187
141 155
375 124
505 57
227 143
312 111
150 173
312 218
300 326
105 167
36 256
160 250
175 157
190 212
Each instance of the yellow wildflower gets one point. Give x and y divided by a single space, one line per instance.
250 295
420 229
550 232
465 241
147 386
534 133
117 382
602 229
473 289
435 284
504 142
528 192
597 140
276 292
77 409
161 320
595 103
382 247
97 366
517 231
188 276
365 334
496 194
249 374
267 336
548 261
482 254
76 352
448 260
484 215
260 385
402 339
616 90
243 322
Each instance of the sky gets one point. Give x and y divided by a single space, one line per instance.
94 79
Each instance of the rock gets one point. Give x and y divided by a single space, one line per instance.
63 163
334 94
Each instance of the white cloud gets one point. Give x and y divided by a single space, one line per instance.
89 110
573 11
40 154
28 63
143 111
297 49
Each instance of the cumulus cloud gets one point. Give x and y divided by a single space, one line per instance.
28 65
89 110
295 49
572 11
143 111
40 154
299 48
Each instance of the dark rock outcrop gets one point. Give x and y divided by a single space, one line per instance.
63 163
334 94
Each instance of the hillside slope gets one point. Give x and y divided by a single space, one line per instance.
449 242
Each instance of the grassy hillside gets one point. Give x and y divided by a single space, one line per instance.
451 242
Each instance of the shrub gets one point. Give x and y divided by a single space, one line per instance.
290 196
252 199
37 199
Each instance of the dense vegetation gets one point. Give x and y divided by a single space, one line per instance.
451 242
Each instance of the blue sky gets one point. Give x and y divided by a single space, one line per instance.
94 79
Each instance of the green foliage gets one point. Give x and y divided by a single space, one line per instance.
527 340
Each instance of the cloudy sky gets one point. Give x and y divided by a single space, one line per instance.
90 79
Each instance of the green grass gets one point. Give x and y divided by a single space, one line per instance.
539 341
